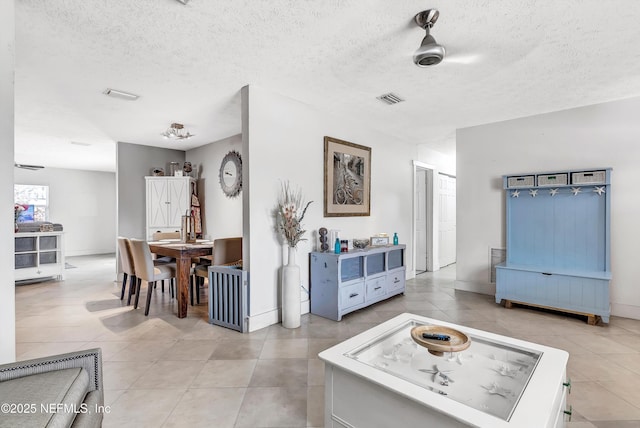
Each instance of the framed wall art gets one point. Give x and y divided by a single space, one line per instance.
347 178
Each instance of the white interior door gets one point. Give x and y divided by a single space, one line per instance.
421 220
447 223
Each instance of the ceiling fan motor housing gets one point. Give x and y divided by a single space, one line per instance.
430 52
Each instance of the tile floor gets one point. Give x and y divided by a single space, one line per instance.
161 371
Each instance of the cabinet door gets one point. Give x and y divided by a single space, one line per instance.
179 201
157 203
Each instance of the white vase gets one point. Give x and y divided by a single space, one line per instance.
291 292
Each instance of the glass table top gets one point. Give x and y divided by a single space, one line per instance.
488 376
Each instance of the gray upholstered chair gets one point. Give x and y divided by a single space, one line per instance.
226 252
61 391
147 271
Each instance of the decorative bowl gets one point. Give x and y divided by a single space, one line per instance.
456 340
360 243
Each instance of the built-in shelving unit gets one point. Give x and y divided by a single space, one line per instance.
558 234
343 283
39 256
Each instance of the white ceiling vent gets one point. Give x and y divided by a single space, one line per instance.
390 98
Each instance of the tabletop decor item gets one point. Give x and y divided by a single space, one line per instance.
379 240
439 339
291 211
347 179
361 243
324 245
187 168
173 167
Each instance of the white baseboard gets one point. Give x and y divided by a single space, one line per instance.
271 317
476 287
78 253
265 319
625 311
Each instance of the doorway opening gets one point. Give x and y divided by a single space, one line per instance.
434 219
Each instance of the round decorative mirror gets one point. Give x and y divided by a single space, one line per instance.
231 174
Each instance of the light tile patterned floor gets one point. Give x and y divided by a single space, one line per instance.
161 371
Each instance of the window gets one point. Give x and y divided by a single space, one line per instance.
34 199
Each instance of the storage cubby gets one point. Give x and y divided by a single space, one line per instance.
39 256
558 243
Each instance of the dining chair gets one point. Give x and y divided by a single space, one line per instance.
147 271
226 252
128 268
158 236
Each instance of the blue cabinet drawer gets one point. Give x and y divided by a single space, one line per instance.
375 287
352 295
395 280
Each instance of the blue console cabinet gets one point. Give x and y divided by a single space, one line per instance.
557 230
343 283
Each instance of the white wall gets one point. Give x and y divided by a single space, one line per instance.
7 288
602 135
284 141
83 202
443 163
221 215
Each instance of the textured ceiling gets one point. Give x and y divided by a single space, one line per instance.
505 59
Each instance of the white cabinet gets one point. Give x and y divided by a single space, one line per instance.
38 255
343 283
168 199
381 378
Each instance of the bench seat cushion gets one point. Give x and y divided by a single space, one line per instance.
61 392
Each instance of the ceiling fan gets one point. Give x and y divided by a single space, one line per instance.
431 53
29 167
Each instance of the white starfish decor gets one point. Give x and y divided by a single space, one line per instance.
599 190
576 190
515 194
533 192
553 192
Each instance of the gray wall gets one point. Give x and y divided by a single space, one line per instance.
602 135
221 215
133 163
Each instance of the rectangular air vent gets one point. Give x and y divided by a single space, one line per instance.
390 98
496 256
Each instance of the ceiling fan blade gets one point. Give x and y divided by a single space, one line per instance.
29 167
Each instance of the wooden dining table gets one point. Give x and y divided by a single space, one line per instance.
183 253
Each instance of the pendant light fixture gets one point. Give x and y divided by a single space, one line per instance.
177 132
